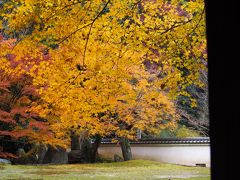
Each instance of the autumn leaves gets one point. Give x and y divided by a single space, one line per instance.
95 78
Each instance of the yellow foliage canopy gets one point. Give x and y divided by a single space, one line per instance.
95 78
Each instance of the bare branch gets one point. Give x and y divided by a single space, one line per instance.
85 48
89 24
195 26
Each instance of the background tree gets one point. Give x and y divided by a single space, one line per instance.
19 125
196 117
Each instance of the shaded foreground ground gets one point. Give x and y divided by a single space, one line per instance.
135 169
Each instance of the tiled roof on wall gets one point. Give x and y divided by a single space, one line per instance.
195 140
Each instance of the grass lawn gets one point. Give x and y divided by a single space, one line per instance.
135 169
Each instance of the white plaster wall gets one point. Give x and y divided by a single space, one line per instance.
189 154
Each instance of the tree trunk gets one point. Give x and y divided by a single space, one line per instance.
75 155
95 146
75 143
82 150
86 149
126 149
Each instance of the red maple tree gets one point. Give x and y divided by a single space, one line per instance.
16 97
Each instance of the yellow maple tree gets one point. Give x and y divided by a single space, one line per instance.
111 62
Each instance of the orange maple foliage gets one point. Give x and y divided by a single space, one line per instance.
96 79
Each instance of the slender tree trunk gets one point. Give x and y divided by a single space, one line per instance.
95 146
126 149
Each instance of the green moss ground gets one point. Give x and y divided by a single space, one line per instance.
135 169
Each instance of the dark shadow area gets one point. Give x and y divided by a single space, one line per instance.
222 57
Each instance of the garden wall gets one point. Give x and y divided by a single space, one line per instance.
188 151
